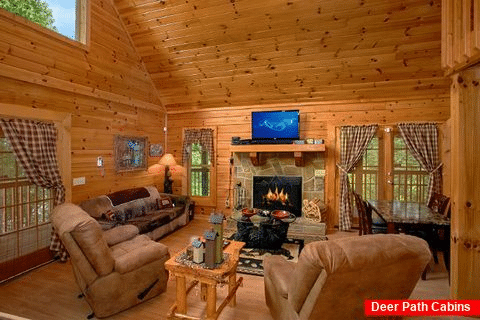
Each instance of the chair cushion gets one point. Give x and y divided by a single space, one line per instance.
139 251
120 234
89 237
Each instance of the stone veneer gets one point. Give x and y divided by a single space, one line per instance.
281 164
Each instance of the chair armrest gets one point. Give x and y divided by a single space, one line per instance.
279 271
141 256
120 234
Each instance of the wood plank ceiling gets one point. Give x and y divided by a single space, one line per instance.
220 53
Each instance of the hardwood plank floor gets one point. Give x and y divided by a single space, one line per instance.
50 292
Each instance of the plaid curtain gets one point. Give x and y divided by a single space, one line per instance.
202 136
422 141
35 146
353 143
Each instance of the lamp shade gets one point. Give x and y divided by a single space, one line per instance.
167 160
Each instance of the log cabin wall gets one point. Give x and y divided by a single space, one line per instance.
318 121
213 62
104 86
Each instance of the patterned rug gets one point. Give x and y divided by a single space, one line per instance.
251 259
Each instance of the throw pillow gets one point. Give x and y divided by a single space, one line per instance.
109 215
164 202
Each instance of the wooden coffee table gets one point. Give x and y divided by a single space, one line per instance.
208 278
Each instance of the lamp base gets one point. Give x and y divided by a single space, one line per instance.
167 184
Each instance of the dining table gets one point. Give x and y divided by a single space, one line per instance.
400 215
411 217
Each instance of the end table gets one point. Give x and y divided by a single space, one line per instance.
208 278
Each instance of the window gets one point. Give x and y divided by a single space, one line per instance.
66 17
404 181
410 181
199 171
24 209
364 178
198 153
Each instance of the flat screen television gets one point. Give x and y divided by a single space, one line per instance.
275 124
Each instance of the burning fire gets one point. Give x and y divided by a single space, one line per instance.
276 196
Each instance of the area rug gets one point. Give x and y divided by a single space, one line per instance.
251 259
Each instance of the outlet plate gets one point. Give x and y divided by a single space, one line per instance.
319 173
78 181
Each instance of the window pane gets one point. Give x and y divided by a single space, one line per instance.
199 172
364 179
57 15
410 180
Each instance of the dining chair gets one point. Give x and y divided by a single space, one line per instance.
438 238
439 203
368 222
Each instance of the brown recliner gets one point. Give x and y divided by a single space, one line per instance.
333 278
115 269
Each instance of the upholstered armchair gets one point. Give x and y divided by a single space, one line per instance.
115 269
332 279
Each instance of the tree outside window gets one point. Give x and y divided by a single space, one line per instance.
66 17
407 181
199 171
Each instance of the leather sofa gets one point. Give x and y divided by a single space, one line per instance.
155 214
114 269
333 278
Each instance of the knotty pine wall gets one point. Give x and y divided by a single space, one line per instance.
104 85
317 120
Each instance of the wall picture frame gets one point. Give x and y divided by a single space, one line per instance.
156 150
130 153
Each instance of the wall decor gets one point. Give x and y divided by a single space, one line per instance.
156 150
130 153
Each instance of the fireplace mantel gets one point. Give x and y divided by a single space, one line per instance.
297 149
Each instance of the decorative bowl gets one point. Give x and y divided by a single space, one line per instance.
280 214
248 212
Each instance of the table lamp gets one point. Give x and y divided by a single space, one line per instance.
166 165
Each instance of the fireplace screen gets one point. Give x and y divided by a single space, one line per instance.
278 193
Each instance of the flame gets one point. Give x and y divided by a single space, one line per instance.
277 196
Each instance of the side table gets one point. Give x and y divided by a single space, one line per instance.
208 278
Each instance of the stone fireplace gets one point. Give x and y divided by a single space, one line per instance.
275 166
278 193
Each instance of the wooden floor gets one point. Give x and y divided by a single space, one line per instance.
50 292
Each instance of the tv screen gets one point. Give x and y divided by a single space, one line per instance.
275 124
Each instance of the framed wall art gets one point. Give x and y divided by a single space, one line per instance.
156 150
130 153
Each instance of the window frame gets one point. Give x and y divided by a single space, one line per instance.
82 30
386 167
421 171
211 200
63 123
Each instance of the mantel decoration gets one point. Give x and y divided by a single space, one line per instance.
130 153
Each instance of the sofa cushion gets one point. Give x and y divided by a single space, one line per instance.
98 206
154 219
164 202
128 195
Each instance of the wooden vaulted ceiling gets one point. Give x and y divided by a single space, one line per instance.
220 53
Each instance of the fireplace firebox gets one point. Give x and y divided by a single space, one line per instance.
278 193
